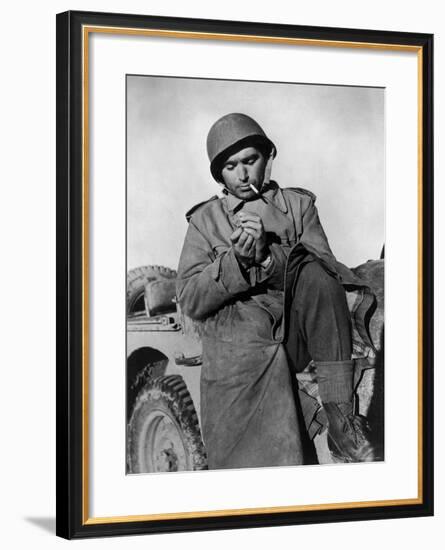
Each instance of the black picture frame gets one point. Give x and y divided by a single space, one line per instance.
72 502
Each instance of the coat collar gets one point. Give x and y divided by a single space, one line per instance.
272 194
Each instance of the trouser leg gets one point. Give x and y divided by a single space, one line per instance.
320 309
320 329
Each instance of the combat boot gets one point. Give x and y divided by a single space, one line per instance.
348 434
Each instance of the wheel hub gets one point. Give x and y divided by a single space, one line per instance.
164 450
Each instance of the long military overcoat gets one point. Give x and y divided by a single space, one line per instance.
248 412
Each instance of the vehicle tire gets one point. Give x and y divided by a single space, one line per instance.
163 434
137 279
143 364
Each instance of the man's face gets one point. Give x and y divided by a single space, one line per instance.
242 169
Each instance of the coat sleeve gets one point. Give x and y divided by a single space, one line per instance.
313 237
205 283
273 274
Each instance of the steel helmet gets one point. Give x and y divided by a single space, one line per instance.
231 133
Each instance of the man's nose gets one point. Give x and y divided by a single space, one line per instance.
242 173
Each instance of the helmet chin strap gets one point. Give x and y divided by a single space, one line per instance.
268 169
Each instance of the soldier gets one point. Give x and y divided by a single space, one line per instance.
257 272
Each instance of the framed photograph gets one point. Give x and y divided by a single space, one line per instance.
244 274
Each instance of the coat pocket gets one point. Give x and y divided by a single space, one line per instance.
219 326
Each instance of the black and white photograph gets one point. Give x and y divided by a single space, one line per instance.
222 241
255 245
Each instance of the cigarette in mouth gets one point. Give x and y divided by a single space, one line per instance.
254 189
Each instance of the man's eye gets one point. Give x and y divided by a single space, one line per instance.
228 167
252 160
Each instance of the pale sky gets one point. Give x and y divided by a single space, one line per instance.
330 140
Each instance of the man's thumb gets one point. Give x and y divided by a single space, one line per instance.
236 234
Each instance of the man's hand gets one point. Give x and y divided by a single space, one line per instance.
253 226
244 247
